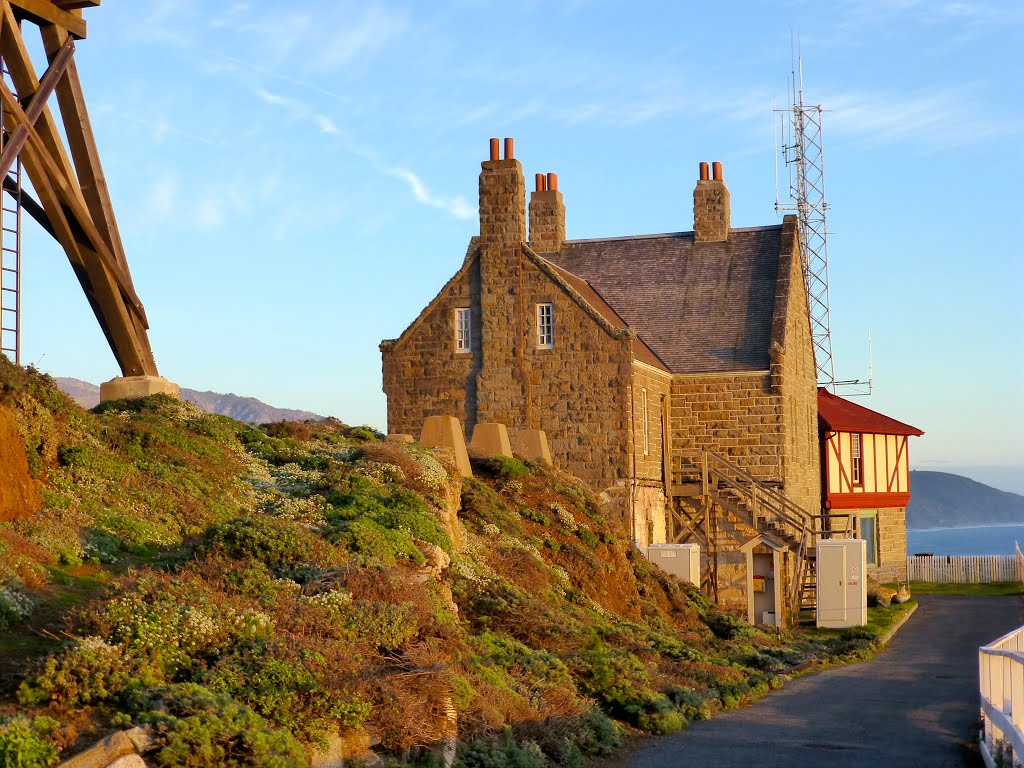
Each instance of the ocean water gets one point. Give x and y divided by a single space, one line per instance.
975 540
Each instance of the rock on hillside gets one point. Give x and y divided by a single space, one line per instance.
942 500
245 409
19 491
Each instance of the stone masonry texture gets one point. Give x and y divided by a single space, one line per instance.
711 210
892 545
547 221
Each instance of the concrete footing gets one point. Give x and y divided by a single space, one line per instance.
446 432
132 387
490 439
532 445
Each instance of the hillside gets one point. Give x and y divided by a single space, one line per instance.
258 596
246 409
942 500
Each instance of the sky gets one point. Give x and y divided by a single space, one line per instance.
295 181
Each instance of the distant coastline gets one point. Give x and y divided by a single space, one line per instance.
967 527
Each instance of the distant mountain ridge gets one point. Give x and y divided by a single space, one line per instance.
247 409
944 500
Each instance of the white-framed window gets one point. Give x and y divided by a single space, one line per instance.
856 476
545 326
647 436
867 524
463 330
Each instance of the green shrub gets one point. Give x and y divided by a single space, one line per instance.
90 671
537 517
509 468
197 728
691 704
365 433
272 541
502 752
481 505
388 507
384 625
254 579
288 691
23 743
588 537
596 735
376 544
726 626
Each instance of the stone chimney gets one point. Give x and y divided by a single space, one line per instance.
711 206
502 197
547 215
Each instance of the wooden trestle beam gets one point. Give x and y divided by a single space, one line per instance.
70 185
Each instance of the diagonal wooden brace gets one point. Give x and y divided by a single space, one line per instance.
36 105
73 202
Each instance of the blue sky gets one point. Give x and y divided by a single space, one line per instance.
295 181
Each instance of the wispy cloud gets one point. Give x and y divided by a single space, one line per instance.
456 206
363 32
933 120
327 125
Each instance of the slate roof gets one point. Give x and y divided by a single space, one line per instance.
838 413
641 351
699 307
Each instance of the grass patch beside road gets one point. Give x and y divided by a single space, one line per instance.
995 589
880 620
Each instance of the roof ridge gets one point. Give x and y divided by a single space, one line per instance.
655 236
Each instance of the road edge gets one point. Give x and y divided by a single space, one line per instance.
884 639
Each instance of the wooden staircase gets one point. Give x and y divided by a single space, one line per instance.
761 505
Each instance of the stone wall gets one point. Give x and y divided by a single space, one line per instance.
423 374
892 545
649 487
736 415
577 392
794 377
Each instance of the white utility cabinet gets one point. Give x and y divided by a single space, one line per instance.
842 589
681 560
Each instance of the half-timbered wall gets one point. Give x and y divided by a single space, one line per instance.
884 478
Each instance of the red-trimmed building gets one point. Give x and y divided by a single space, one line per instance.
865 470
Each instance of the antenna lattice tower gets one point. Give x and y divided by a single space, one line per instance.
804 154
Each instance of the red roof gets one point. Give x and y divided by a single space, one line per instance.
841 415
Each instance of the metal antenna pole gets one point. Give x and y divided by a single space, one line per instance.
805 158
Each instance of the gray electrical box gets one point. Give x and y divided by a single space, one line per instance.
681 560
842 587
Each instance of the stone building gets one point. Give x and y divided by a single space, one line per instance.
866 474
673 372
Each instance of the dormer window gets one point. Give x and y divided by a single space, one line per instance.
545 326
463 330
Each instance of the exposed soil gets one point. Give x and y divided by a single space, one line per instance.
19 492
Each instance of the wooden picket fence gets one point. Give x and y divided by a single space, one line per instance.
965 569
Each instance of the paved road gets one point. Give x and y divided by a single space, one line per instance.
914 704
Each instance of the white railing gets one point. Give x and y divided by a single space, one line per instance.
965 569
1001 675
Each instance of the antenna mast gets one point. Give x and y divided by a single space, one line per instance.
804 154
